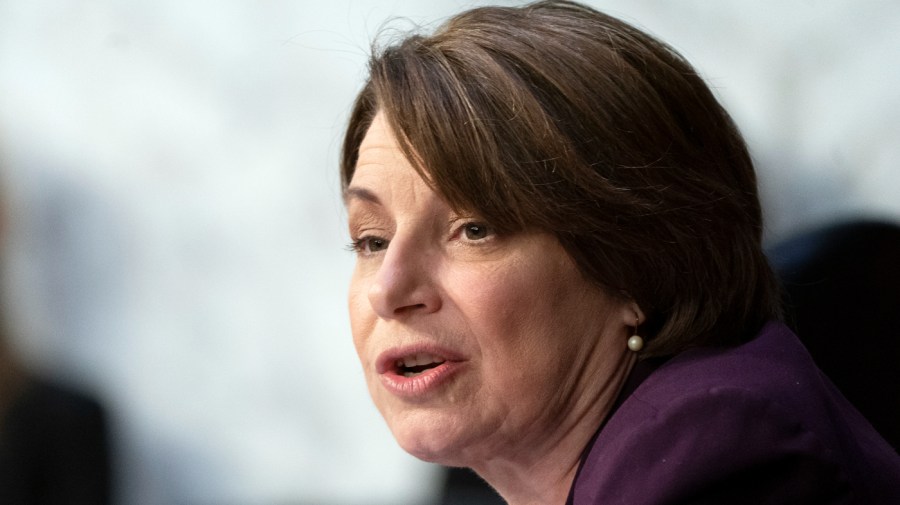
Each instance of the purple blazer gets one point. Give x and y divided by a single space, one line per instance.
753 424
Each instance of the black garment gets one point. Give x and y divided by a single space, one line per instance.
54 449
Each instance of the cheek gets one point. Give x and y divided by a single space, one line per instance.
499 302
361 315
529 310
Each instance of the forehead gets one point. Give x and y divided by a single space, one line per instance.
379 146
380 158
378 132
382 173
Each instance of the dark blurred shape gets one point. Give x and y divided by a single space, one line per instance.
464 487
53 447
842 287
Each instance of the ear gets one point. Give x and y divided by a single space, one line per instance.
632 315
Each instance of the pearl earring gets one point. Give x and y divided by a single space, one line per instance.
635 343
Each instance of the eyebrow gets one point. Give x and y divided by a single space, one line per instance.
360 194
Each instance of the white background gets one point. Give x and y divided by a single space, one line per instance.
177 237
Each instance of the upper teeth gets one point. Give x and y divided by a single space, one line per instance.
419 359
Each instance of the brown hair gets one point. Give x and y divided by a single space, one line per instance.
556 117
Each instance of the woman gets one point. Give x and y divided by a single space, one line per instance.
559 280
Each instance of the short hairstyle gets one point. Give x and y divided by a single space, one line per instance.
559 118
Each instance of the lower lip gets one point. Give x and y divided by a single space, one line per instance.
423 385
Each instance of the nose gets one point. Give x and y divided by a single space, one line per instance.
404 284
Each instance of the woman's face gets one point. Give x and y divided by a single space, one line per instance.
473 344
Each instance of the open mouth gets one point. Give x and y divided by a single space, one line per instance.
413 365
420 372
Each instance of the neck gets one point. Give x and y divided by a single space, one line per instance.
544 474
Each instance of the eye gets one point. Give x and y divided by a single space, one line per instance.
368 245
476 231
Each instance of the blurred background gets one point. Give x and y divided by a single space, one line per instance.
174 235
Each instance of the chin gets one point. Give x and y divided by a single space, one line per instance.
428 437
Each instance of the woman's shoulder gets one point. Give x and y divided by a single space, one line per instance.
747 424
773 364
